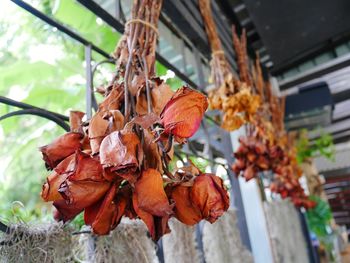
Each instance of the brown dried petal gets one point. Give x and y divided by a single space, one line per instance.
61 148
75 120
56 178
151 194
184 210
120 151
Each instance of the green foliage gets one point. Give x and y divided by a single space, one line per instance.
319 217
322 146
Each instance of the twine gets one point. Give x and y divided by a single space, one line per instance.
218 52
144 23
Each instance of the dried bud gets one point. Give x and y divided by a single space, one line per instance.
209 195
184 210
249 173
251 156
183 113
263 163
121 152
260 148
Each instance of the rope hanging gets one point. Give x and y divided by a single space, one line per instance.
136 20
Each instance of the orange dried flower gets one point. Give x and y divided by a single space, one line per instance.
121 153
61 148
185 210
210 196
183 113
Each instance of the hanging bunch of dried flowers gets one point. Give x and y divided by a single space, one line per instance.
234 97
116 163
257 151
268 147
287 175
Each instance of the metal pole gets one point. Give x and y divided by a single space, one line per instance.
236 196
199 240
160 252
313 258
199 69
89 91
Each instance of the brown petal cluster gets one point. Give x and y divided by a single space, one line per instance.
288 187
110 169
254 156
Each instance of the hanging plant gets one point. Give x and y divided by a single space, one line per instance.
268 147
258 150
116 163
234 97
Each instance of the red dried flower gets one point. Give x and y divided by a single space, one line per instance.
183 113
210 196
121 153
61 148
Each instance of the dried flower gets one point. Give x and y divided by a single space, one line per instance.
151 196
121 153
183 113
105 215
61 148
185 210
210 196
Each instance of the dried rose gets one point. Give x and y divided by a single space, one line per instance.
59 174
102 124
160 95
185 210
183 113
82 194
87 168
210 196
61 148
121 153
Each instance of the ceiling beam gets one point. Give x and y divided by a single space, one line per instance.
332 129
341 96
316 72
